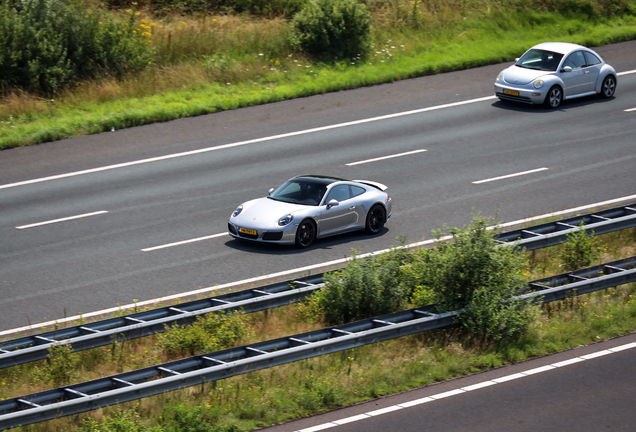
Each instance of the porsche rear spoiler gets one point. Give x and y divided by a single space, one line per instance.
372 183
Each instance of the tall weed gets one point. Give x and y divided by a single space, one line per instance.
47 45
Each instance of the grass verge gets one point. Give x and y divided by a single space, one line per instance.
212 82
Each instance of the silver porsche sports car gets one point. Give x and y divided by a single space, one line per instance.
552 72
309 207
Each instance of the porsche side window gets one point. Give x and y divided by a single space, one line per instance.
356 191
576 60
592 59
339 193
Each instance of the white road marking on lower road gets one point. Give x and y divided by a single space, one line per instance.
351 419
630 110
510 175
417 402
626 72
183 242
306 269
386 157
61 220
623 347
473 387
242 143
479 386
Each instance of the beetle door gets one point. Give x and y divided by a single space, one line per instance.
577 80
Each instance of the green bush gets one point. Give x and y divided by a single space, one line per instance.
188 6
365 288
61 364
286 8
209 333
332 30
590 8
119 421
471 272
266 8
46 45
580 250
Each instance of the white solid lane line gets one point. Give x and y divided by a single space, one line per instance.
242 143
184 242
463 390
61 220
285 273
257 140
630 110
386 157
510 175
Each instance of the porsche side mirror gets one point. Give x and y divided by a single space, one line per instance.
270 191
332 203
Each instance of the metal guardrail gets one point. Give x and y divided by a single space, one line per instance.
145 323
100 333
554 233
196 370
583 281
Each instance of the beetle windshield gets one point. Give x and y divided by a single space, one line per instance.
300 191
540 60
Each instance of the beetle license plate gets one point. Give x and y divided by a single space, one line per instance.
247 231
511 92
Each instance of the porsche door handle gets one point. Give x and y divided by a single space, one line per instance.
352 208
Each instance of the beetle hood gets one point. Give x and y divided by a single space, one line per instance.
522 76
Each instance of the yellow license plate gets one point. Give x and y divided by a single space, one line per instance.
511 92
247 231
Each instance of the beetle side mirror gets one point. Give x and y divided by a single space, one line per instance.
332 203
566 69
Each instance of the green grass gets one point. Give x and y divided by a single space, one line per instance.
266 397
239 80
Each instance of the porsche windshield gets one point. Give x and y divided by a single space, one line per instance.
300 191
540 60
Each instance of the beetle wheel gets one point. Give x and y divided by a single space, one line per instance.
375 219
608 88
554 97
306 233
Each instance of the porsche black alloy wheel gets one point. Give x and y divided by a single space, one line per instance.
375 219
306 233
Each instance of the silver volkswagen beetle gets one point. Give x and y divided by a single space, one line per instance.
552 72
309 207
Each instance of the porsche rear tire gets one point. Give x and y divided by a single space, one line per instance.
306 233
375 219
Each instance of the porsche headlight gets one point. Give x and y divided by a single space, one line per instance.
538 84
499 77
238 211
286 220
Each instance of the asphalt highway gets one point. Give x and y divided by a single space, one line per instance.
590 388
127 216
